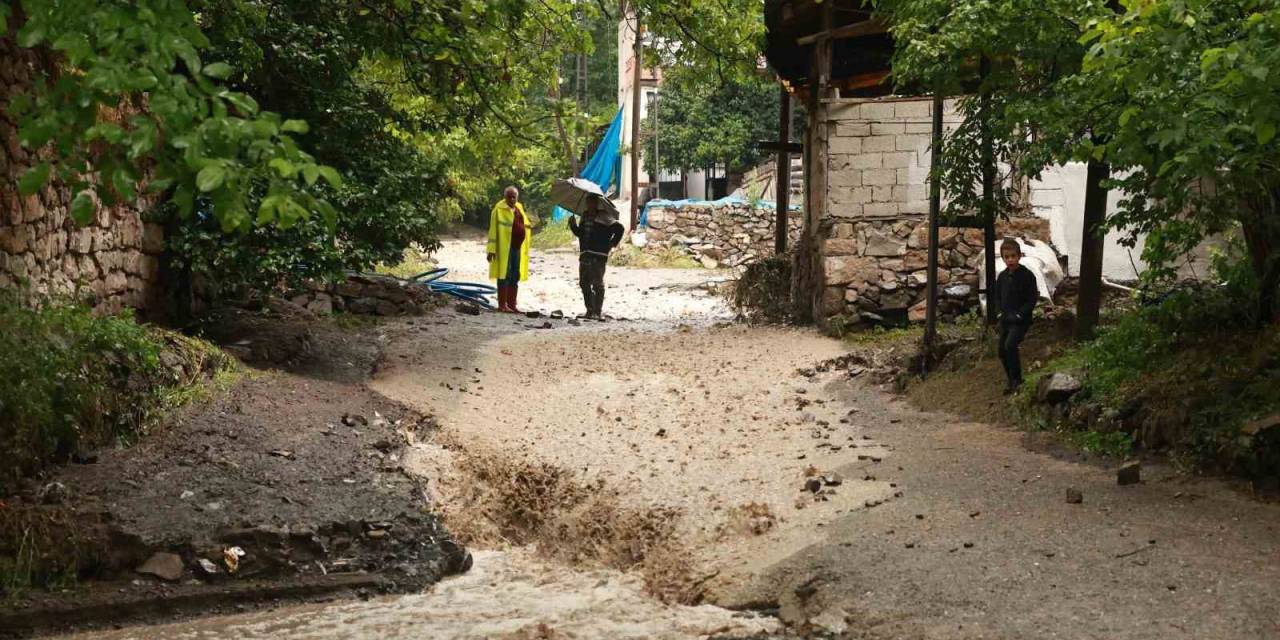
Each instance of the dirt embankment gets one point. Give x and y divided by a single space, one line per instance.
287 485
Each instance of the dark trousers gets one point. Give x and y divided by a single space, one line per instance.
1011 335
512 278
591 277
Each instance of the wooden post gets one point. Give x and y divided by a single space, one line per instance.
808 281
782 181
1089 302
635 129
988 187
935 204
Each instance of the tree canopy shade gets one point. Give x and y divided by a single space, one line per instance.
197 136
1177 96
702 124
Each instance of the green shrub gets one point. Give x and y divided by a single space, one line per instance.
73 379
553 235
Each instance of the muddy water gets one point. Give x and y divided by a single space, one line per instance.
506 595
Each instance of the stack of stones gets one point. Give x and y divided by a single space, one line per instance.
368 295
882 268
111 263
720 234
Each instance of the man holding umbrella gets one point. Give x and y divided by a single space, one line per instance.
598 233
597 236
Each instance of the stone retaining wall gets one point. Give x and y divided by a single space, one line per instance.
110 263
725 234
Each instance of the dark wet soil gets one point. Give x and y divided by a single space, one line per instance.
299 468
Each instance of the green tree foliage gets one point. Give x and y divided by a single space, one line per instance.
198 137
1176 95
702 123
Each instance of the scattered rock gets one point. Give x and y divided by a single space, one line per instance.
207 567
546 325
1074 496
281 453
1129 473
53 493
1057 388
467 308
354 420
557 315
812 485
166 566
832 480
533 314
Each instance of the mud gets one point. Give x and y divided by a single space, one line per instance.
302 472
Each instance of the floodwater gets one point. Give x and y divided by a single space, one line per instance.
505 595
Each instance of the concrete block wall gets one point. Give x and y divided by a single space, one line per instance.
875 252
111 263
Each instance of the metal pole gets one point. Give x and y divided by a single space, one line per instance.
657 166
782 182
635 129
935 205
988 187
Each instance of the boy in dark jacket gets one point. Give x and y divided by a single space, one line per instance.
1014 297
596 238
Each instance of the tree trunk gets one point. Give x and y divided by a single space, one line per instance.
1261 230
1089 302
564 138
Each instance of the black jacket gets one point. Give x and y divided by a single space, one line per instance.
597 238
1015 295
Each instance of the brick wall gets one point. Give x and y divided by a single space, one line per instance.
111 263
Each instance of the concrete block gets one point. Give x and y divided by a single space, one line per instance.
844 144
879 177
888 128
853 130
877 111
913 109
899 159
880 144
881 209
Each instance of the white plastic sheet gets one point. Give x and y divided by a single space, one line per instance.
1037 256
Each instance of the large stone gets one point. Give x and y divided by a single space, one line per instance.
832 300
841 247
846 269
918 311
166 566
1129 473
883 245
1057 388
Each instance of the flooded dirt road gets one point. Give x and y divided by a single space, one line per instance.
610 475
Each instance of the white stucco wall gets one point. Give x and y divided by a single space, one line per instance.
1059 197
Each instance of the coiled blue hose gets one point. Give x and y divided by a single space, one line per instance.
466 291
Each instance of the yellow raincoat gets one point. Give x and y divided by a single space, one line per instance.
500 221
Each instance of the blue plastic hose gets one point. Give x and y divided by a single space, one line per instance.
465 291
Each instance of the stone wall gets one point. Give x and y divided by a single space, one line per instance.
876 215
718 234
111 263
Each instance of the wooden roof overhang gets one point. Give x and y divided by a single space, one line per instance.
861 45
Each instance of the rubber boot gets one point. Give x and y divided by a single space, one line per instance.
502 298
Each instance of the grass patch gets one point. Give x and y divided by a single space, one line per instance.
629 255
75 380
413 262
553 235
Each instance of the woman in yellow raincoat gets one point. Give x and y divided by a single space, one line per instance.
508 248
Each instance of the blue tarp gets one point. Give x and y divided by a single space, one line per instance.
678 204
605 164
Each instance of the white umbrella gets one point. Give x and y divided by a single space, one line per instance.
576 194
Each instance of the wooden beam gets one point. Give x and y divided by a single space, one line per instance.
782 179
779 146
988 186
874 26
